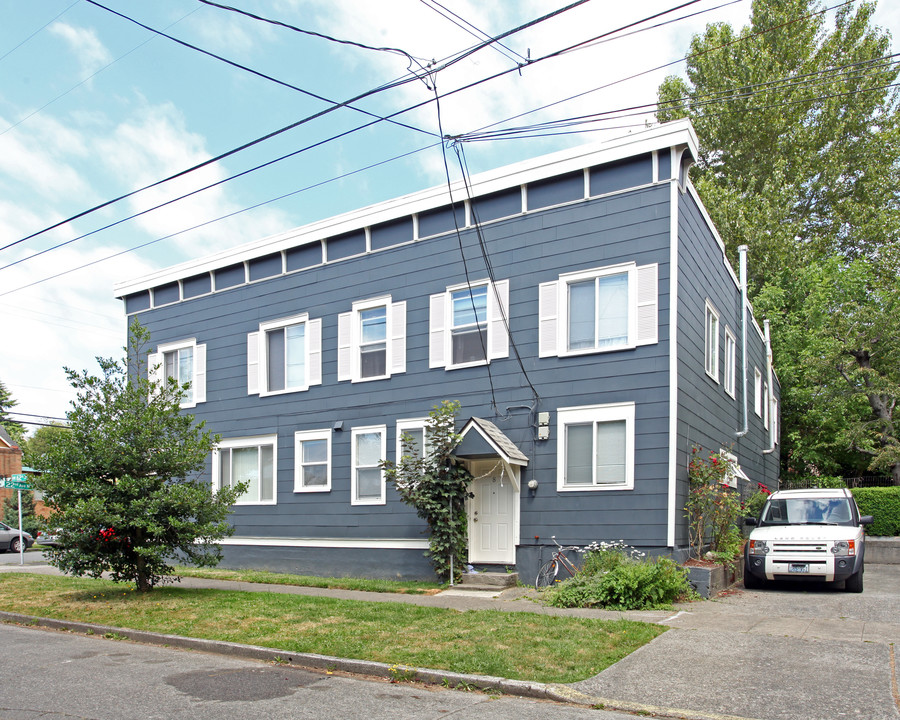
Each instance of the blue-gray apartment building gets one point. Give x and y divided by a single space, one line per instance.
580 308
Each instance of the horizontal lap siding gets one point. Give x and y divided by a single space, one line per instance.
708 416
527 250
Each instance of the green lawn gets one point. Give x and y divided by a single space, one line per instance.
516 645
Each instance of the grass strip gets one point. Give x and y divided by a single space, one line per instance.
410 587
516 645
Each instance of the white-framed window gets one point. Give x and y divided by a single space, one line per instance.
367 450
251 460
711 342
595 447
730 361
372 340
734 470
757 392
598 310
765 405
468 324
185 361
284 356
312 461
415 428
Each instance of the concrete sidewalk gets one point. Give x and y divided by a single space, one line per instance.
783 653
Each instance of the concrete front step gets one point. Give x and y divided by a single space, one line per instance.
488 580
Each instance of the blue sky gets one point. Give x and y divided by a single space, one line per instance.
93 106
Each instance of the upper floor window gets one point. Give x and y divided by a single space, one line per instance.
712 342
312 461
610 308
757 392
185 362
595 447
247 460
372 340
284 356
367 450
730 361
468 324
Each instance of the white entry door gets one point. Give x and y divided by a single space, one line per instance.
492 520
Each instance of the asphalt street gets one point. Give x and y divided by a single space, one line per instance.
63 676
786 652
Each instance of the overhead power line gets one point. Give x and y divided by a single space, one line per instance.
250 70
291 126
55 17
413 107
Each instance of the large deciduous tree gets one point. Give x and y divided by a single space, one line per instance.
797 118
124 482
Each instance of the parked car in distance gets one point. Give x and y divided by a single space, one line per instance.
812 535
9 538
48 538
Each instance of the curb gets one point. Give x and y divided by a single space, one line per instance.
485 683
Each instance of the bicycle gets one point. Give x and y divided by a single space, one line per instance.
548 573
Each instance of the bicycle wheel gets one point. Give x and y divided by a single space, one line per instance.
547 575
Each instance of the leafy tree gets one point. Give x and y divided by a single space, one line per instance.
124 482
16 430
800 160
436 484
40 442
848 366
30 521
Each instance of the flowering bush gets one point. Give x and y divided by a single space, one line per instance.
713 509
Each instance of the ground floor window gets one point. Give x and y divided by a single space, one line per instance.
249 460
368 449
595 447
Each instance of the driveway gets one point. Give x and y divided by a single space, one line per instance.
788 652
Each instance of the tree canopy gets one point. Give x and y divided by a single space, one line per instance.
124 482
797 118
16 430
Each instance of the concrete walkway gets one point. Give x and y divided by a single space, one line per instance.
783 653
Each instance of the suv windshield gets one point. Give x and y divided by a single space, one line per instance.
808 511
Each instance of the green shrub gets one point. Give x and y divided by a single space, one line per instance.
883 503
630 585
753 505
602 557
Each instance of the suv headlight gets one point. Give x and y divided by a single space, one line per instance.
758 547
843 548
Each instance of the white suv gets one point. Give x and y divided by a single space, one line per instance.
812 535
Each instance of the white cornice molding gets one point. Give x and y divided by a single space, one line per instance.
679 132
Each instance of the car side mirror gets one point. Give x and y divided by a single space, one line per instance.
866 520
751 521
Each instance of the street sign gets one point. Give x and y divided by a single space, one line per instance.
17 481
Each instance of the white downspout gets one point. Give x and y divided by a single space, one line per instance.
742 250
771 390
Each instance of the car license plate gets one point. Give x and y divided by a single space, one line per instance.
799 568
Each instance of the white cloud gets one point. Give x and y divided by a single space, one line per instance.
84 43
155 143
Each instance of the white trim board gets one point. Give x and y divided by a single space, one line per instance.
679 132
357 544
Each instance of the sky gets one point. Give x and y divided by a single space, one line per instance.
94 106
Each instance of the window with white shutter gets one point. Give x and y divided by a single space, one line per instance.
184 362
468 324
372 340
598 310
284 356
